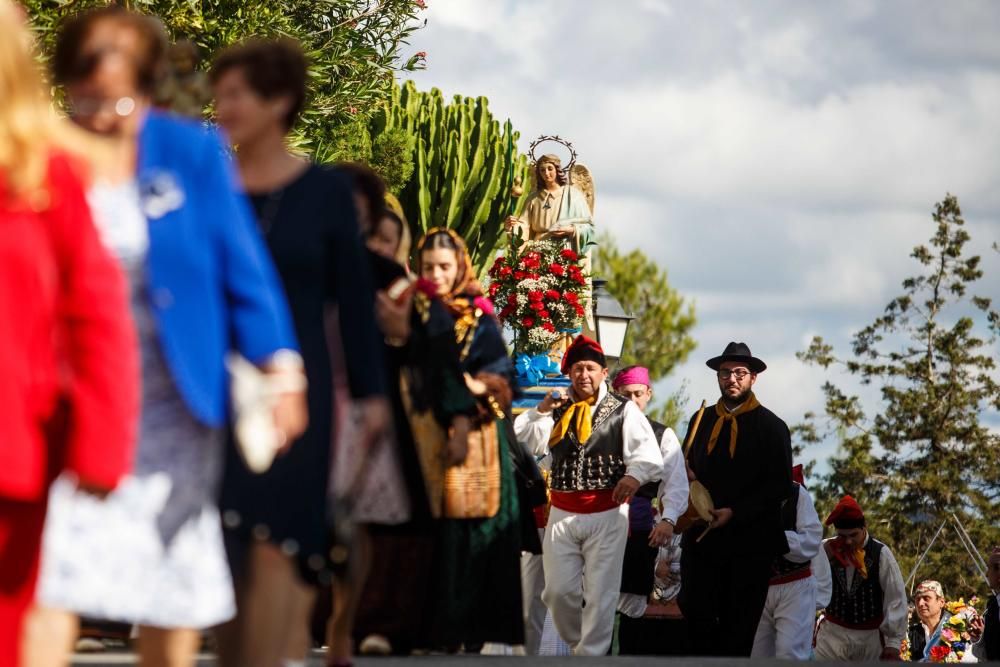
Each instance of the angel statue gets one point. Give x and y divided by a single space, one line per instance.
560 207
557 208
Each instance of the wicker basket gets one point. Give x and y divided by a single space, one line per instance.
472 489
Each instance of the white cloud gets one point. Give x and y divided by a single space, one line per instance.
779 158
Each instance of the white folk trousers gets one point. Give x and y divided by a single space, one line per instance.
532 583
835 642
786 624
582 557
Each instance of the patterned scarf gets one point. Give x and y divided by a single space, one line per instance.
725 415
578 417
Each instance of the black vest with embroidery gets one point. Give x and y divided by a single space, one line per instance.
597 465
861 605
781 567
651 489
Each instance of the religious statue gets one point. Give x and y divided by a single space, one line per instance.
558 209
185 90
561 208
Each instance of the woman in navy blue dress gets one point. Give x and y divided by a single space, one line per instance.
277 522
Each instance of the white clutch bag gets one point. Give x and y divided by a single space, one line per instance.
254 394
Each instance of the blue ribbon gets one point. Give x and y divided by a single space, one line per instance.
532 369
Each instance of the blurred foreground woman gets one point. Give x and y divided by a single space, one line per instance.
201 281
69 388
277 522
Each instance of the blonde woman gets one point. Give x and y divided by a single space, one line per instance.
68 357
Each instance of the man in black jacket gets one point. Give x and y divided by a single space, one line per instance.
741 452
988 648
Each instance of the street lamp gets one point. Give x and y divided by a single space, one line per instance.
610 320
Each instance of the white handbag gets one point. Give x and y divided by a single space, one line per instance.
254 394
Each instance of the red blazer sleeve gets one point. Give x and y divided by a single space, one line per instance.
98 340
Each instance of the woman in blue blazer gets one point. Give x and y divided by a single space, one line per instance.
202 284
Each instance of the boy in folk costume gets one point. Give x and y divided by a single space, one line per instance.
866 617
603 449
786 625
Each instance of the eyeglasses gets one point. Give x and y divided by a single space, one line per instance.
86 107
738 373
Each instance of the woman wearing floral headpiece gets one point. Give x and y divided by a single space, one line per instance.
458 381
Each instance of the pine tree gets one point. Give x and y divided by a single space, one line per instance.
924 452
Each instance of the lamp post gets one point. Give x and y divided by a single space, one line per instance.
610 320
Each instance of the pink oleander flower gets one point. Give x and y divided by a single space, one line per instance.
420 3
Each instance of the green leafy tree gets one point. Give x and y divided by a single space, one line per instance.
659 337
354 47
925 452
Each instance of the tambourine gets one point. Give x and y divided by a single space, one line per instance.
699 508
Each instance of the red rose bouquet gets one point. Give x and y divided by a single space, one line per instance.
540 293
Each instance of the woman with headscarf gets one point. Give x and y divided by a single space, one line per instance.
457 388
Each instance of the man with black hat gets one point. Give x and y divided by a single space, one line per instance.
866 617
741 452
603 449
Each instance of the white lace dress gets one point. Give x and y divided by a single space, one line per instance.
152 553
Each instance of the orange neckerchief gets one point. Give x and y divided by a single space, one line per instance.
725 415
847 558
577 417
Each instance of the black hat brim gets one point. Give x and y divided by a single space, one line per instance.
753 363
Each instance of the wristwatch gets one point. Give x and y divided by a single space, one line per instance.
670 521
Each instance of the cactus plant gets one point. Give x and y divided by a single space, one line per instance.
462 156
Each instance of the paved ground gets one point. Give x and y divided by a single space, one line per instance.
477 661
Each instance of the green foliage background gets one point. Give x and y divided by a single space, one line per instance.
355 48
660 337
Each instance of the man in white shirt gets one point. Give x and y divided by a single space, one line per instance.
647 532
786 624
603 449
866 617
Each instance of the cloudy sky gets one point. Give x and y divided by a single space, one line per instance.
779 159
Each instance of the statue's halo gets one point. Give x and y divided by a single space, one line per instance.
545 138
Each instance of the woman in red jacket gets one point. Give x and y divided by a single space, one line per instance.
68 359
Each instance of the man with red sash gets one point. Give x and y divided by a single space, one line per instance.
786 625
603 449
866 617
